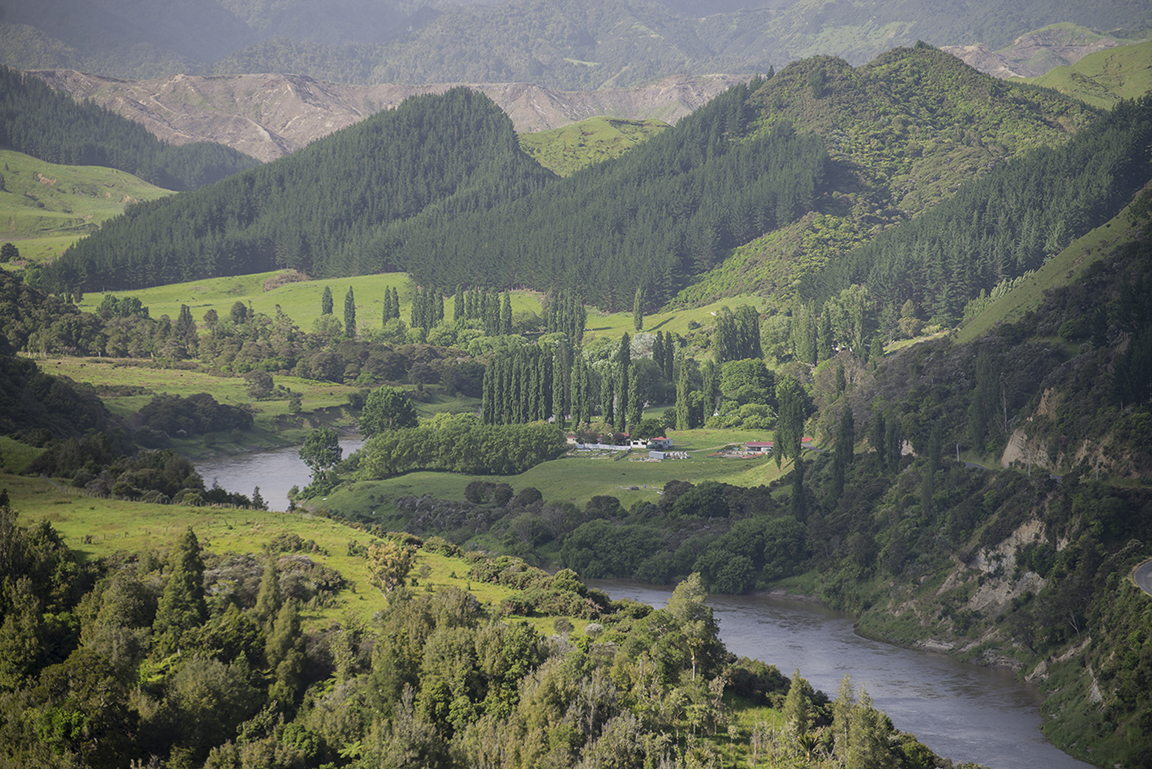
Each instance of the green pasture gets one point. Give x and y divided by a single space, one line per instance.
274 425
613 325
14 455
1104 77
301 301
45 207
577 477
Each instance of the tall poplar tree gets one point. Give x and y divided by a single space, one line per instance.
506 315
350 314
635 407
683 402
326 302
608 400
623 372
845 440
638 309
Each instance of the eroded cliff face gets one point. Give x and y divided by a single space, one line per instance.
269 116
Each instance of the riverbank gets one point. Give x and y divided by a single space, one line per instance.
962 711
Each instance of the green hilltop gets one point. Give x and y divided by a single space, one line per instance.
566 150
1104 77
45 207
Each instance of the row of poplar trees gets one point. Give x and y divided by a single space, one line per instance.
556 383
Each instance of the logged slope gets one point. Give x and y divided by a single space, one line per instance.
47 124
568 44
1033 54
269 116
318 209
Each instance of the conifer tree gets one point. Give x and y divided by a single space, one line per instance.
268 600
842 708
284 652
790 424
458 304
579 389
182 605
710 387
867 736
638 309
798 706
876 438
326 302
561 376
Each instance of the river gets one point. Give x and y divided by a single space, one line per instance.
963 712
275 472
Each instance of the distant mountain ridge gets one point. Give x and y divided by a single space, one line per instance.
561 44
269 116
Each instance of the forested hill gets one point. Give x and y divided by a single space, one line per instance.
1004 225
319 209
49 125
435 188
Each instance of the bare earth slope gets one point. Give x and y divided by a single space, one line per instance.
1032 55
268 116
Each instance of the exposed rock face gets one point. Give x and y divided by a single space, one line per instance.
1033 54
268 116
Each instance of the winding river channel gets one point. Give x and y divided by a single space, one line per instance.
963 712
273 471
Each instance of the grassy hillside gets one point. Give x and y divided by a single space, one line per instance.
1027 293
105 528
45 207
564 151
1105 77
301 302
